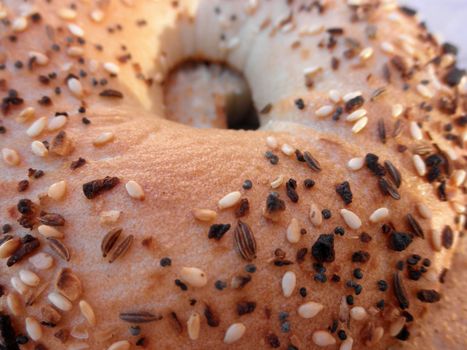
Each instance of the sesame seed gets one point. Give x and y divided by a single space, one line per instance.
59 301
8 247
351 219
75 87
419 165
356 115
379 215
26 114
19 286
57 122
358 313
315 215
103 138
346 344
234 333
309 309
38 57
120 345
19 24
459 177
75 51
366 54
111 68
424 91
194 325
29 278
229 200
351 96
387 47
324 111
41 261
287 149
135 190
277 182
14 303
49 231
57 190
310 72
293 231
396 326
76 30
415 131
359 125
311 30
10 156
397 110
33 328
271 142
335 96
289 281
39 149
356 163
194 277
87 312
323 338
436 239
66 13
37 127
97 15
204 214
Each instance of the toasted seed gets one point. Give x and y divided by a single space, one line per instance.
382 130
33 328
234 333
400 292
19 24
287 149
41 261
229 200
424 210
351 219
57 190
277 182
9 247
204 214
289 281
310 309
358 313
30 278
396 326
75 87
139 317
436 239
59 248
416 228
315 215
122 248
10 156
324 111
87 312
397 110
415 131
388 189
311 72
135 190
347 344
293 231
359 125
15 304
379 215
62 145
366 53
244 240
19 286
103 138
419 165
194 277
68 284
459 177
393 173
424 91
356 115
323 338
271 141
356 163
423 149
49 231
52 219
312 163
193 325
120 345
108 217
26 114
39 149
59 301
109 241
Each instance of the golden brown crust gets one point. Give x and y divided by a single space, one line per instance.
166 170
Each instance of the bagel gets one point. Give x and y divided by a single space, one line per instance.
333 224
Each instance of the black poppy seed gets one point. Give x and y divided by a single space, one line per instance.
335 278
339 230
6 228
308 183
382 285
349 299
341 334
303 292
350 284
400 265
141 342
165 262
358 289
326 214
250 268
247 185
404 334
300 103
283 315
426 262
365 237
358 274
319 277
380 304
82 109
182 285
333 327
303 231
85 121
415 274
285 327
2 129
411 261
408 316
135 330
220 285
423 269
273 159
292 347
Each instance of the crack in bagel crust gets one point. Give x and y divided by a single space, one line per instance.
335 223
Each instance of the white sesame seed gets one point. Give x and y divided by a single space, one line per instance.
293 231
324 111
111 68
356 163
271 141
347 344
66 13
356 115
8 247
59 301
309 309
120 345
75 51
310 72
289 281
459 208
19 24
76 30
103 138
277 182
15 304
135 190
41 261
234 333
425 91
10 156
88 312
18 285
49 231
29 278
459 177
436 240
351 219
57 122
229 200
397 110
74 85
462 87
419 165
194 325
359 125
33 328
379 215
26 114
358 313
315 215
366 54
396 326
387 47
39 149
204 214
323 338
311 30
194 277
57 190
38 57
287 149
415 131
424 211
37 127
335 96
97 15
351 96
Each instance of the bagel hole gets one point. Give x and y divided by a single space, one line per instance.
205 94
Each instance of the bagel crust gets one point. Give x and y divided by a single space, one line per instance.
333 225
